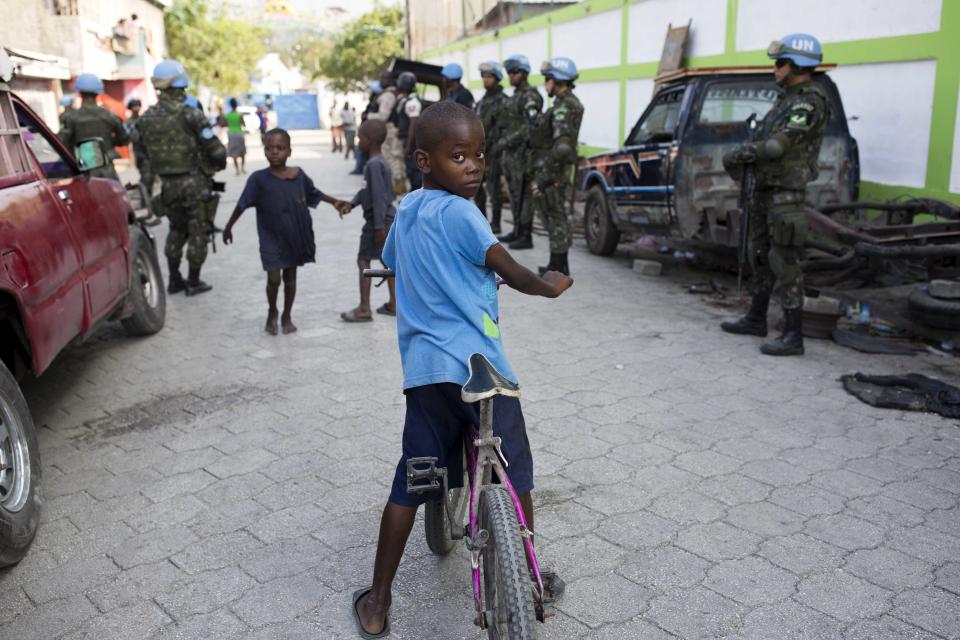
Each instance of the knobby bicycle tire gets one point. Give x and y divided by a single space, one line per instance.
507 589
437 526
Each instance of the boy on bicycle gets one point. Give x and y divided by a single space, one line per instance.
446 261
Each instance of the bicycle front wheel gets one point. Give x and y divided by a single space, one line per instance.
507 589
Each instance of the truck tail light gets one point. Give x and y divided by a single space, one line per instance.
16 268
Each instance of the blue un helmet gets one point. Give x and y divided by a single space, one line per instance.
800 48
517 62
452 71
170 74
375 87
559 68
193 102
492 68
88 83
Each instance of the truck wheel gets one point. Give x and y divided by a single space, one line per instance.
602 235
19 472
146 295
933 312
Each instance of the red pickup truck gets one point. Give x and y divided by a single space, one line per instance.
73 254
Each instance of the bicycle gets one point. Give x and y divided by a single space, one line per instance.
487 516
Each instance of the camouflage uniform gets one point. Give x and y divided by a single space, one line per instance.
489 109
519 113
785 151
392 146
93 121
174 141
554 152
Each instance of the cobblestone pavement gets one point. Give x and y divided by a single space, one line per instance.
214 482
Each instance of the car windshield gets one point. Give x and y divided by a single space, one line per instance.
660 122
727 102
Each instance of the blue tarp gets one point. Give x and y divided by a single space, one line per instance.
297 111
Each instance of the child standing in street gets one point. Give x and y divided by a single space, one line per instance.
376 198
446 261
281 195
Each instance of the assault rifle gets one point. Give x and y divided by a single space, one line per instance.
748 189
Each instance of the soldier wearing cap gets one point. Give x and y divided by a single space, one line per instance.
784 155
93 121
518 116
554 152
456 92
174 141
489 108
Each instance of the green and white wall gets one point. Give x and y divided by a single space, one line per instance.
899 69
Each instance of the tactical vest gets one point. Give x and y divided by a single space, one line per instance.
170 143
798 166
489 106
402 121
517 117
91 122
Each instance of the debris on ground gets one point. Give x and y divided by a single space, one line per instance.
709 288
867 343
647 267
910 392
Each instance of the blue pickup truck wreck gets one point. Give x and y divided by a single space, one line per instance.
668 178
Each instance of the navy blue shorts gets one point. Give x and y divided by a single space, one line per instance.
434 427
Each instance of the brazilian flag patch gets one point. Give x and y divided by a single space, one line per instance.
798 118
490 328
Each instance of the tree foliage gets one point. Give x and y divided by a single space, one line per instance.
218 52
358 52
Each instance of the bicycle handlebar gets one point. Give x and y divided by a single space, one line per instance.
389 273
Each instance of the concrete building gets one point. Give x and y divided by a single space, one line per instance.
898 70
53 41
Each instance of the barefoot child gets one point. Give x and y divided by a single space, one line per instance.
446 262
281 195
376 198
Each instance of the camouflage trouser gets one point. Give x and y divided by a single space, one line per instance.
778 229
513 168
393 153
550 205
493 191
186 202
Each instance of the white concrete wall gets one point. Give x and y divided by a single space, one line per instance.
760 21
593 41
649 20
482 53
889 107
533 45
599 98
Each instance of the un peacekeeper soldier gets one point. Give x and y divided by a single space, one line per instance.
456 92
489 109
519 114
408 112
93 121
175 142
554 152
392 149
784 153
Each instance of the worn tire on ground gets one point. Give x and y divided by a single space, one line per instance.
20 496
146 295
933 312
602 236
507 588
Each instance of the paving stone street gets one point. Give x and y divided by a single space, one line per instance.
213 482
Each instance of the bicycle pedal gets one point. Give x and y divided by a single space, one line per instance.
423 475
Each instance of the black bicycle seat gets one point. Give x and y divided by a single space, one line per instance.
485 381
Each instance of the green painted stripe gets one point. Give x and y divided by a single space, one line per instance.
730 39
946 87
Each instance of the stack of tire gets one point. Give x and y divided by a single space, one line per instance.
936 304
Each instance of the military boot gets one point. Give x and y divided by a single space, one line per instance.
194 284
177 283
513 235
524 238
558 262
791 342
755 322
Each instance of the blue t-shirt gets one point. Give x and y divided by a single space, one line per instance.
446 297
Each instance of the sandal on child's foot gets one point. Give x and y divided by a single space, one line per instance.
271 326
386 310
354 316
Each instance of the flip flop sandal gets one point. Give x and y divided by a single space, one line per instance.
351 316
359 593
385 310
